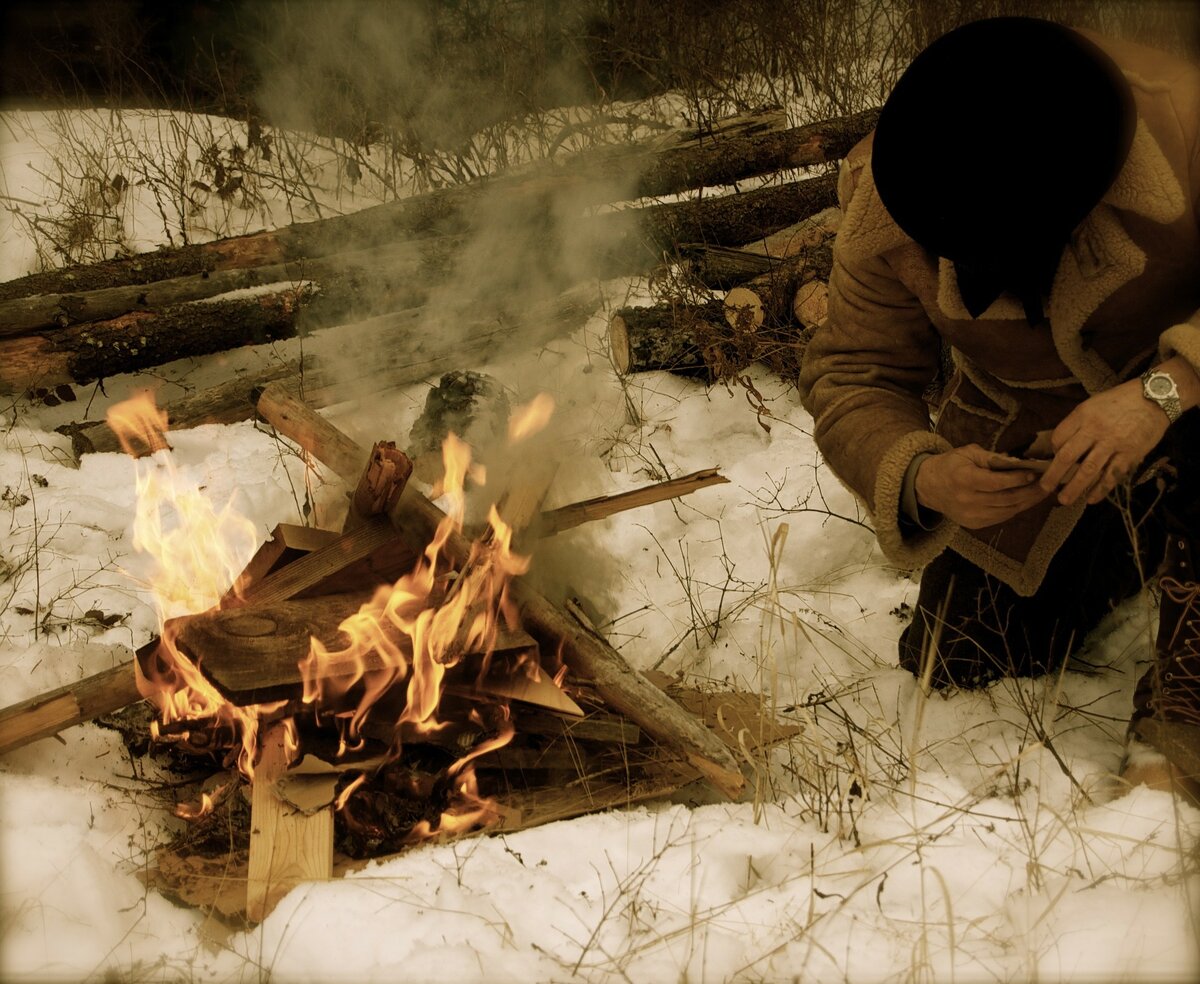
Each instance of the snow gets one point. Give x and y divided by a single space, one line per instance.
897 837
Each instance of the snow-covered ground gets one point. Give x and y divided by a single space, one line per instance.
961 837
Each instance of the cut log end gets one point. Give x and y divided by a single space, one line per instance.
618 342
743 309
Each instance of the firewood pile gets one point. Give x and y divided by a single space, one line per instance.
375 269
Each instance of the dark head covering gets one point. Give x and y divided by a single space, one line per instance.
997 141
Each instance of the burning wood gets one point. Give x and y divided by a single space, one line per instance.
451 666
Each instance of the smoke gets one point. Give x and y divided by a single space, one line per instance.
457 90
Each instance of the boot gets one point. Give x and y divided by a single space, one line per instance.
1167 698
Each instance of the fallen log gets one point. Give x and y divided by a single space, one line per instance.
723 267
385 275
95 350
409 351
632 240
677 338
612 243
623 688
227 403
738 149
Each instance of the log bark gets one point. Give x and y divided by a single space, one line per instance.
723 267
385 275
407 354
95 350
623 688
632 240
671 337
610 244
742 148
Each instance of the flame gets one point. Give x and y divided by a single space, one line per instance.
185 811
531 418
139 418
346 793
412 632
198 551
405 639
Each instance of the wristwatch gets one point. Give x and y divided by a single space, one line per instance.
1158 387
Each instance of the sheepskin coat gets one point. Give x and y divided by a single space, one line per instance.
1126 293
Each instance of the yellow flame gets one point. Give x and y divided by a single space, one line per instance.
527 420
139 421
185 811
198 551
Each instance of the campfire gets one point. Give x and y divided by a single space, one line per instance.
392 682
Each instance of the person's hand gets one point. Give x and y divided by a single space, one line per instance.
960 485
1102 441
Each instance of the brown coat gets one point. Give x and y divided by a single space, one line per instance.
1127 289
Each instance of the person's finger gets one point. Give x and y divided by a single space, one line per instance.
1067 455
1091 470
1118 471
989 480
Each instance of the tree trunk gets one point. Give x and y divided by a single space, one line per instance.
633 240
606 245
406 353
744 147
723 267
86 352
226 403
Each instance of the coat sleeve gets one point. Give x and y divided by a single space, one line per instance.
863 377
1184 339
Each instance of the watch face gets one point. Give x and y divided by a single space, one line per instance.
1159 387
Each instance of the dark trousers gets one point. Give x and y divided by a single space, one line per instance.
985 630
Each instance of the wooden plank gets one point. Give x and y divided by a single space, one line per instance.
577 513
319 564
273 553
253 654
287 847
